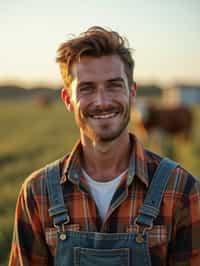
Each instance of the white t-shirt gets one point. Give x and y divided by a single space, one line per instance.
103 192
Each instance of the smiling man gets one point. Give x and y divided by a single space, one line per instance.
109 201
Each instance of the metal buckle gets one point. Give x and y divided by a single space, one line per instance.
61 227
140 233
144 229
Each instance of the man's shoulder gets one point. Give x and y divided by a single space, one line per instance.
181 180
38 177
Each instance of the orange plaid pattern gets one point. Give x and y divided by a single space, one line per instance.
174 239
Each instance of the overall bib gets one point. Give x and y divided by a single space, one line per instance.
81 248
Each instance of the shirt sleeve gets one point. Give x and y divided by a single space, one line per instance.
185 245
28 245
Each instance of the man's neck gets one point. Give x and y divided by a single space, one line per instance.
106 160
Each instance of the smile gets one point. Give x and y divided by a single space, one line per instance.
104 115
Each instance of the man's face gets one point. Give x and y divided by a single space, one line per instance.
100 97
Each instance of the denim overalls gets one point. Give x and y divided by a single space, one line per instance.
80 248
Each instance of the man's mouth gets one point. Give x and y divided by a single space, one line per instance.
104 115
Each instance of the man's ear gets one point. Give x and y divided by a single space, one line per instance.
133 93
133 89
67 99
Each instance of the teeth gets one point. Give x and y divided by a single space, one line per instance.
104 116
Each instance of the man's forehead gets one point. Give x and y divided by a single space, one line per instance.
104 67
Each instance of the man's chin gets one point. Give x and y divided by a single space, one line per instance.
107 137
104 133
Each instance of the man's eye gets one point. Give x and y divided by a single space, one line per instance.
86 89
115 86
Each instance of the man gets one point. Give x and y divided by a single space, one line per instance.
110 201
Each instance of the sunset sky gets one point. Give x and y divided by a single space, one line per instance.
164 34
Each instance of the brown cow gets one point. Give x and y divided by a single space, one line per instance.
44 101
175 120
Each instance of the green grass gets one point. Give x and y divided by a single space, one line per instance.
31 136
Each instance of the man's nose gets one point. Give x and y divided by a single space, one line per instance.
102 98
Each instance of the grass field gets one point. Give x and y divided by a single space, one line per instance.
31 136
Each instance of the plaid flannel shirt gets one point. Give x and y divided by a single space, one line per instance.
174 239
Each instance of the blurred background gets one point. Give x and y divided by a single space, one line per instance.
35 128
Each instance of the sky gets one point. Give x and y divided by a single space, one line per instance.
164 34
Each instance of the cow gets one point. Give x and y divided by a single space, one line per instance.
173 120
163 128
44 101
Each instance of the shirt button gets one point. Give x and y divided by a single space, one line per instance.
62 236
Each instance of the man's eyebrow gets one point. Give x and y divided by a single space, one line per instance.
117 79
85 83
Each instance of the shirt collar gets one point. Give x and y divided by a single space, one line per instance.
138 162
137 165
72 165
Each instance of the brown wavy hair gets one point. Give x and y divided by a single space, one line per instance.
94 42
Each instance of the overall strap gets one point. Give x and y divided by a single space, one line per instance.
57 207
150 209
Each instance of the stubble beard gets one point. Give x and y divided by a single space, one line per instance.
87 130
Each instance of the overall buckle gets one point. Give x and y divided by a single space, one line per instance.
61 229
141 230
